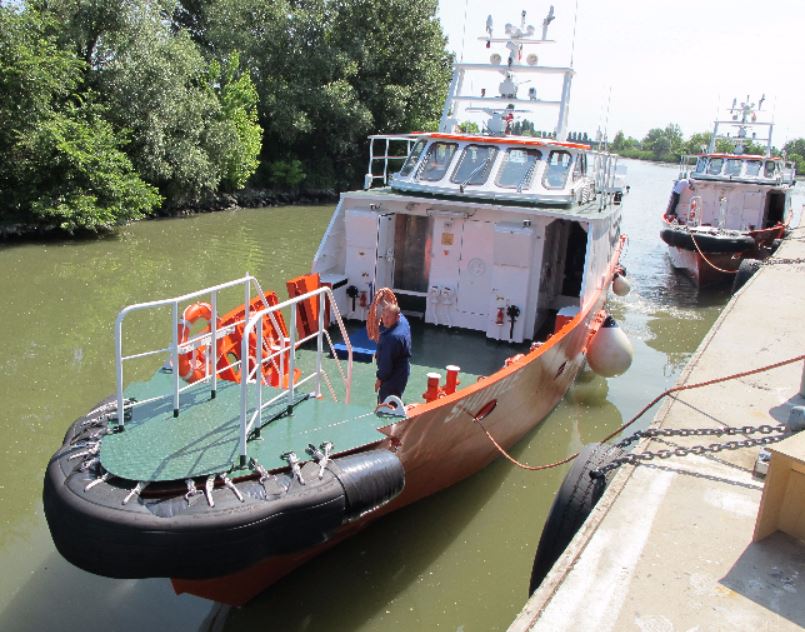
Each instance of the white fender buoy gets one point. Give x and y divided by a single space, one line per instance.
610 353
621 285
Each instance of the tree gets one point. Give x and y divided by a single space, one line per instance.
65 167
237 130
76 177
664 144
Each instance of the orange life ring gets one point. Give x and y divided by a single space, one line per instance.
230 351
193 363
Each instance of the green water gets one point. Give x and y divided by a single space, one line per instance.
460 560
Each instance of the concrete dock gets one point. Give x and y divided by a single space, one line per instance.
669 546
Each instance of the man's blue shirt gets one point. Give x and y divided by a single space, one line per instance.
393 357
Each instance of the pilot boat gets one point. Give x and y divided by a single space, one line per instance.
259 442
733 205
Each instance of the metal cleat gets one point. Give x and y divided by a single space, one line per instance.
192 490
263 472
209 484
86 465
321 454
105 477
136 491
228 482
92 451
293 461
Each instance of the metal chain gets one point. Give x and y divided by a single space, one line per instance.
636 459
772 261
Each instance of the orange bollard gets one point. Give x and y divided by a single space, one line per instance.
452 379
433 387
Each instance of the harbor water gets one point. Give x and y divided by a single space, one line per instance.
459 560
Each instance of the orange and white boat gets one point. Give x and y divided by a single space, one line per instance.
728 207
229 468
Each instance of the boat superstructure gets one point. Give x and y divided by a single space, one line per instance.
737 203
259 443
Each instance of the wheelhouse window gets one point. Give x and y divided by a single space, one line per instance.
474 165
413 158
753 168
770 170
436 161
580 167
557 169
517 170
701 165
733 167
714 168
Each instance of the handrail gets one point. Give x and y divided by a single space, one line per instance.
247 422
370 176
248 281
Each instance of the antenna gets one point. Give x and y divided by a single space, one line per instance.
464 29
573 44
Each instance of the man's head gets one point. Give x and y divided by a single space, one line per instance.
391 314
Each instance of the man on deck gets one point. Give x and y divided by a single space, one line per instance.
393 354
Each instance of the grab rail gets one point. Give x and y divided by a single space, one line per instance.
252 378
248 282
370 176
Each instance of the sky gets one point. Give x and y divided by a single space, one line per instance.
642 64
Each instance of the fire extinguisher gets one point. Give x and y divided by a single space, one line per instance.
362 300
499 318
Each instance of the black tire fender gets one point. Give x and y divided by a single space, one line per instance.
574 501
746 269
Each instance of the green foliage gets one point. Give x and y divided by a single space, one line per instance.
469 127
795 151
240 135
286 174
74 176
664 144
204 92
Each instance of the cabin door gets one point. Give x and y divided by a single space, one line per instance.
384 263
475 275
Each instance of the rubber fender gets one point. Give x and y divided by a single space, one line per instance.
745 272
370 480
574 501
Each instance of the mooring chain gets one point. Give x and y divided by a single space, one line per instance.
637 458
773 261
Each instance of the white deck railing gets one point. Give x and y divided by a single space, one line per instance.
248 369
287 347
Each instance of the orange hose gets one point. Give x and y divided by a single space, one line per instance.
383 297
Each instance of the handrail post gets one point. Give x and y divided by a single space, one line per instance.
119 369
292 358
259 376
175 358
212 356
320 343
244 392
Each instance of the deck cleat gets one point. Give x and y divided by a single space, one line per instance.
101 479
192 490
209 485
321 454
228 482
136 491
294 462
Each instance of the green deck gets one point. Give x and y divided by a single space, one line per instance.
204 439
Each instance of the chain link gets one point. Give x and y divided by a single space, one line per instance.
773 261
636 459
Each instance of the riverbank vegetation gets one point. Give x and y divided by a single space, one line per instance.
668 145
112 110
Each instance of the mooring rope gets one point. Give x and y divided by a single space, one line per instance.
706 260
675 389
